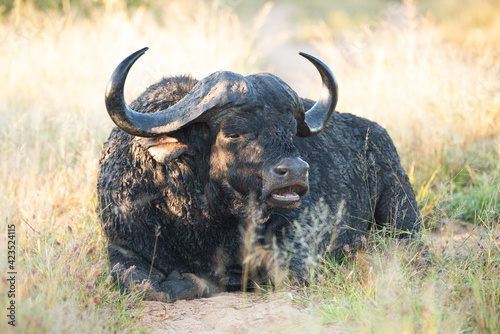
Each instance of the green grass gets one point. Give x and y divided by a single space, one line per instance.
436 93
477 195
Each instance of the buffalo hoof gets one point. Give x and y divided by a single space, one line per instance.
183 286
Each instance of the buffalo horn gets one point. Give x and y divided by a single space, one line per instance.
220 90
318 116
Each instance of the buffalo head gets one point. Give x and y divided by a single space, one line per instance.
250 123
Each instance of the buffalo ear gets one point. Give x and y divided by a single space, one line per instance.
163 148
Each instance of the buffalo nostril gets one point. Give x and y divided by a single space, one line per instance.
281 170
293 166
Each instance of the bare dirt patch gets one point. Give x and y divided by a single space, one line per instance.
460 238
231 313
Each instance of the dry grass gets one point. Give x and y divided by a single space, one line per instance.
54 71
416 83
439 100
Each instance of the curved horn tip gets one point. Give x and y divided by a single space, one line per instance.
318 116
305 55
141 51
311 58
127 62
321 66
115 103
122 70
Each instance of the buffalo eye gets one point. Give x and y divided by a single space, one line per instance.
233 136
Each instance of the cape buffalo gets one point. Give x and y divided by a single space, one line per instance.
211 185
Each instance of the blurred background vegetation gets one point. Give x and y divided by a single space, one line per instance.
466 14
441 55
426 70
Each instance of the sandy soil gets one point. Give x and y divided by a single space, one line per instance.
231 313
458 238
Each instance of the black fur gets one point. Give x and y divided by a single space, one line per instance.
182 218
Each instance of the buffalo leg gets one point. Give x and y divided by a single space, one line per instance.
131 271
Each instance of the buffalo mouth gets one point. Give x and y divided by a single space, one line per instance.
288 196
